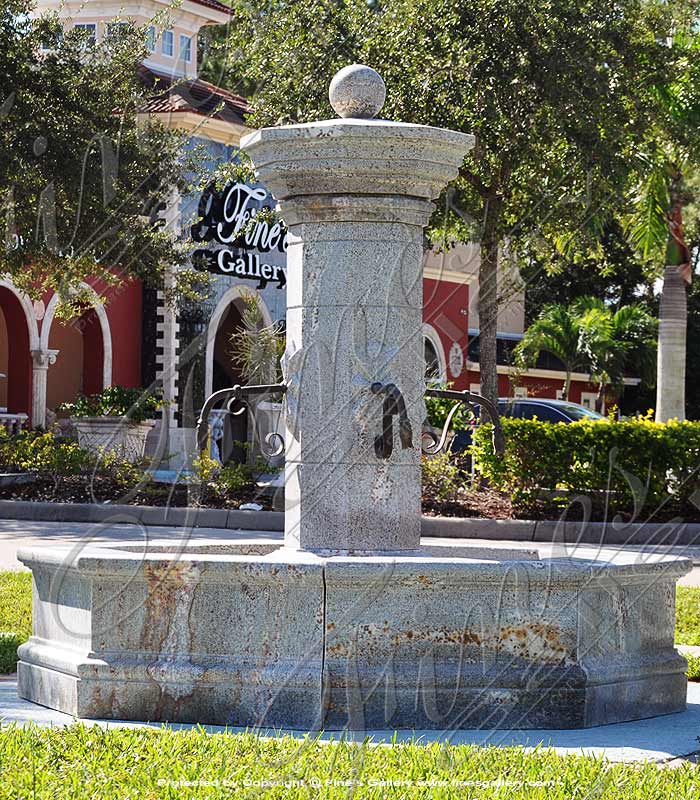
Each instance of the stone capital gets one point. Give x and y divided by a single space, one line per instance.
43 359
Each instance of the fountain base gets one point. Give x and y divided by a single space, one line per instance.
251 634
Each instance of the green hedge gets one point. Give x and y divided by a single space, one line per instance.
643 464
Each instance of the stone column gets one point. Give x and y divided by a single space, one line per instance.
355 193
41 361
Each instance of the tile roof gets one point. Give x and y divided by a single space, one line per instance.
180 95
215 4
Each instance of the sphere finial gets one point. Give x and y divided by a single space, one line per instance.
357 91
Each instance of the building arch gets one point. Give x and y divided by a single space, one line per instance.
432 338
28 310
229 297
101 314
22 342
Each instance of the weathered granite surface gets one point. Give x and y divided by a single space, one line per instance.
356 194
245 634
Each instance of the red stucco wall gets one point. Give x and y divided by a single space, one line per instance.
445 307
124 306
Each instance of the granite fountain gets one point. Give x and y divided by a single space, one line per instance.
352 622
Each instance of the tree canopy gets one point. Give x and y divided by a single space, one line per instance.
81 175
556 92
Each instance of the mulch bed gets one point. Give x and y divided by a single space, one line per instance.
98 489
484 502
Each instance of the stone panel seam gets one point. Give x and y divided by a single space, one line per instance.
324 590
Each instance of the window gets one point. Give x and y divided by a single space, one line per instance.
151 38
575 412
168 43
89 30
116 28
541 411
186 48
432 363
53 39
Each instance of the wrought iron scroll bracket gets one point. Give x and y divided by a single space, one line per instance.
235 399
393 406
469 399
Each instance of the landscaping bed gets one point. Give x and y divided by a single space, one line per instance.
103 489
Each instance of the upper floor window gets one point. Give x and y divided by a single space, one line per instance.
168 43
151 38
116 28
186 48
89 29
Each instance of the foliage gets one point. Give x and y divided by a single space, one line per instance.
613 273
257 348
637 467
15 616
693 671
589 336
212 481
79 761
438 409
135 404
442 478
688 615
35 451
81 176
555 101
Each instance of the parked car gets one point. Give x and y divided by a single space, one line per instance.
528 408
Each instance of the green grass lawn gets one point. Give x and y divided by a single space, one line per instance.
15 616
81 762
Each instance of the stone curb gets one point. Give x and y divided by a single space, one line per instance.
143 515
667 533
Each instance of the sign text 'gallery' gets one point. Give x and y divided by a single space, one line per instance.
231 218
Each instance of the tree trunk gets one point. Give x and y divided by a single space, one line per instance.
673 318
488 302
567 386
670 368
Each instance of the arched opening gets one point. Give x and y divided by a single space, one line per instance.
15 355
79 367
226 373
434 357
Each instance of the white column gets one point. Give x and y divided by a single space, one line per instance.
41 361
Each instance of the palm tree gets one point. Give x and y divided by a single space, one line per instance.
557 331
615 343
590 337
655 227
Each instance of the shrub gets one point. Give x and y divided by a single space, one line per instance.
637 465
43 453
442 478
135 404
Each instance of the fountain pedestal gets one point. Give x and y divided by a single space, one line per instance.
350 623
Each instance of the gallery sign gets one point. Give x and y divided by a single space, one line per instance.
230 218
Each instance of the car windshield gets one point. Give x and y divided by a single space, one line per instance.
578 412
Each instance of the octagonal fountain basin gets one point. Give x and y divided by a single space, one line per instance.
249 633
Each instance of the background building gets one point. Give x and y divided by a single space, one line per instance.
135 338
